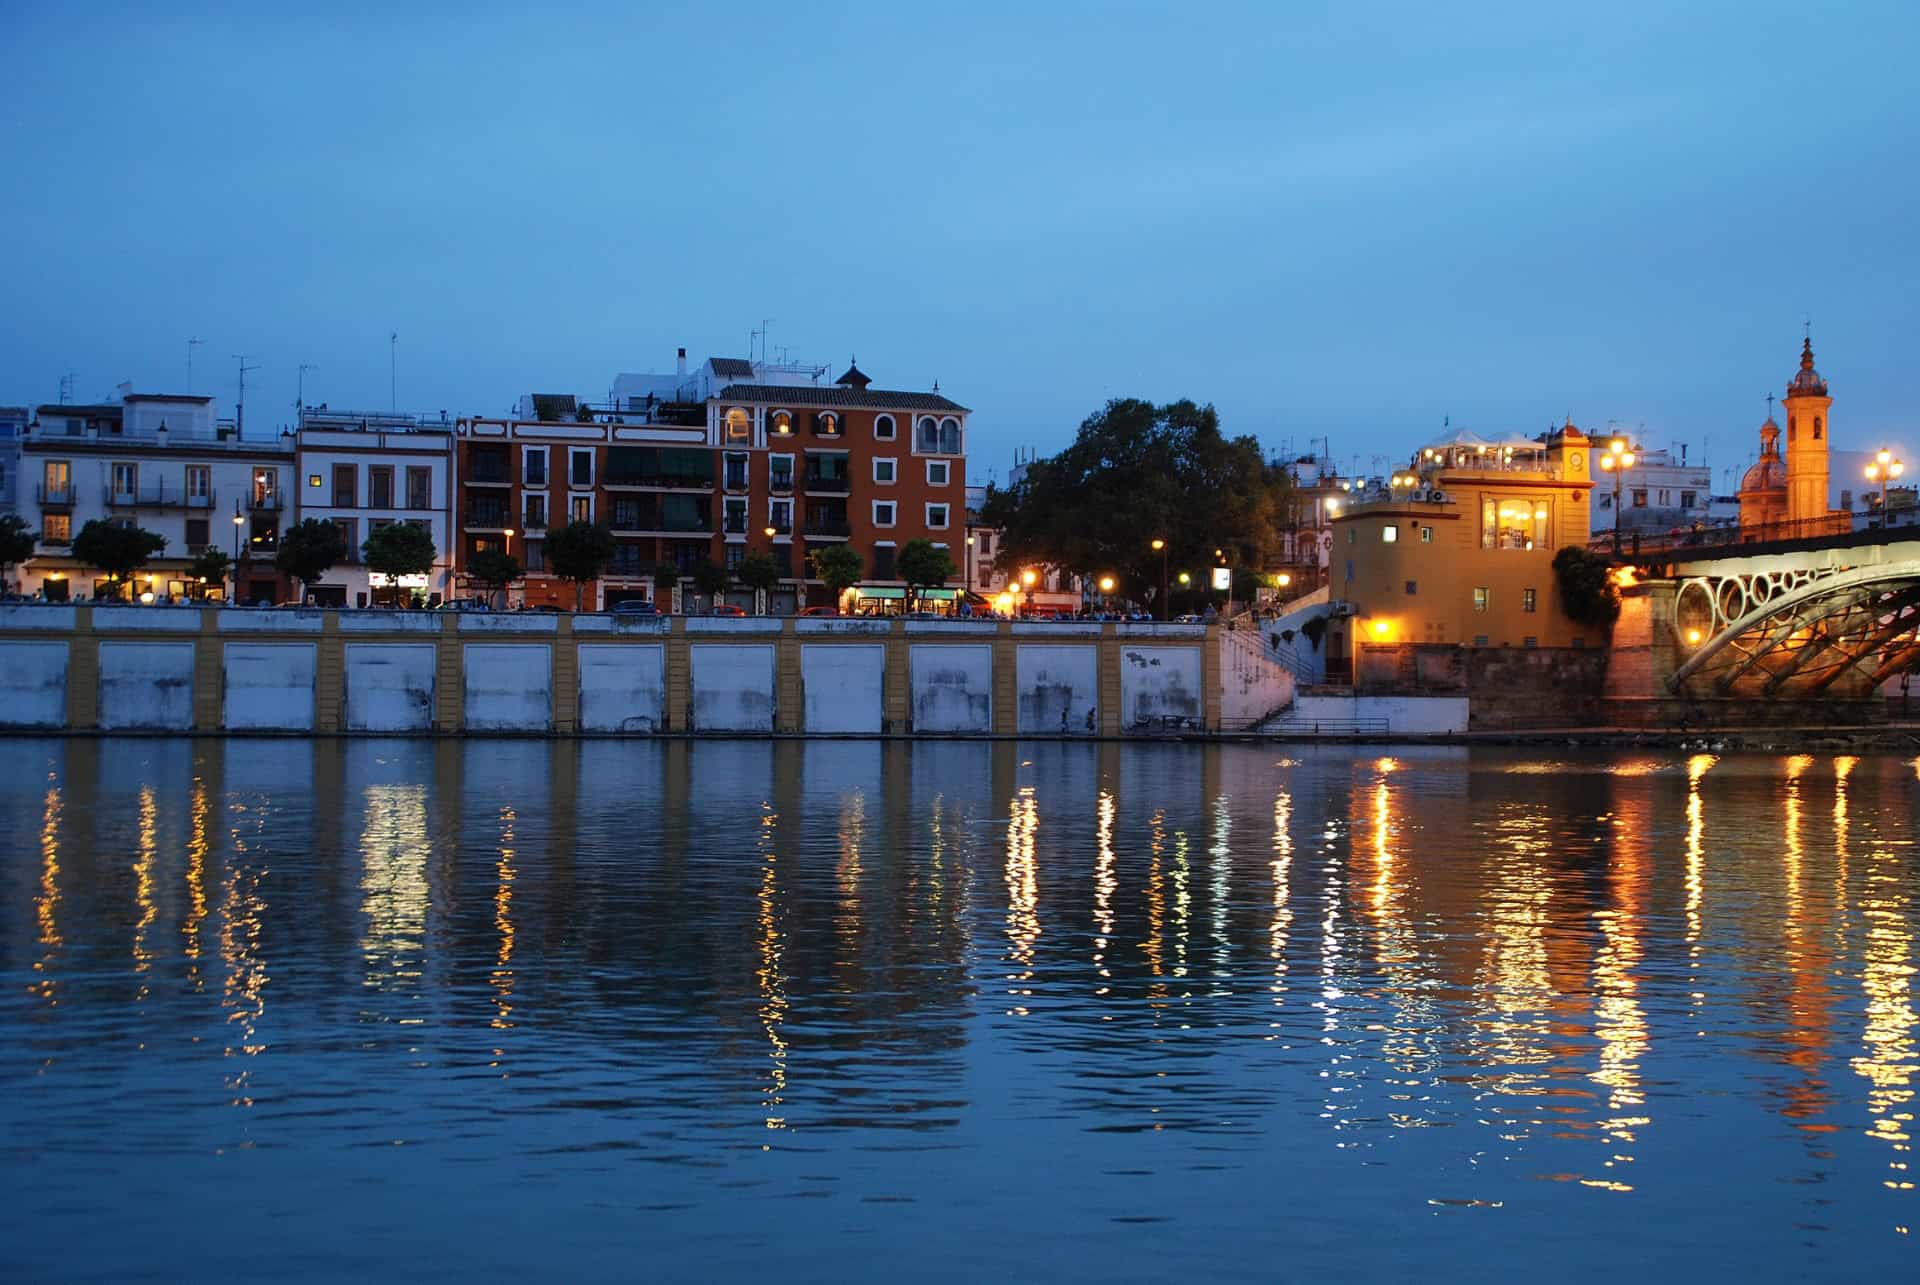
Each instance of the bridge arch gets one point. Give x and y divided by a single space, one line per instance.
1798 631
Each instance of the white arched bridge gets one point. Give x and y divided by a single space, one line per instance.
1830 616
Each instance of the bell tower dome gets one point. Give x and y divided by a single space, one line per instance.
1807 405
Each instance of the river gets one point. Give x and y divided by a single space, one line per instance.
862 1010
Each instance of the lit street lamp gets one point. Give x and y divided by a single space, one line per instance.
238 522
1616 459
1884 469
1160 547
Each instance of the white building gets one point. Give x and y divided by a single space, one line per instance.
365 470
161 463
1659 494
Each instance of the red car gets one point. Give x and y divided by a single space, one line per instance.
726 609
820 611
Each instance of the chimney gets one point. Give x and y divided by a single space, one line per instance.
161 433
681 367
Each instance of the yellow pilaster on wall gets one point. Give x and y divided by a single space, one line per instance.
789 694
1006 715
209 674
1210 678
83 672
1109 680
449 684
565 677
897 685
330 677
679 677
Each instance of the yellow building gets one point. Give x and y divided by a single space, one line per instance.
1459 548
1790 499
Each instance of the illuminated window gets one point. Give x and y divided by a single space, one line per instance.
1389 533
738 427
1514 524
1527 600
1426 535
1480 599
313 479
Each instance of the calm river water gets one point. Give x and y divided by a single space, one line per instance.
839 1011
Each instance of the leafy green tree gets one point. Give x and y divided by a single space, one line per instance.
923 565
16 542
580 551
209 566
838 567
310 549
712 580
1584 582
1134 473
758 572
116 551
399 549
494 568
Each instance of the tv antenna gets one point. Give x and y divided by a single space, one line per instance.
66 386
300 396
240 403
191 345
393 359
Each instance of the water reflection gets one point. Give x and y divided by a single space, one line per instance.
735 977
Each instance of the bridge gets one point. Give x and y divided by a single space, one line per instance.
1795 611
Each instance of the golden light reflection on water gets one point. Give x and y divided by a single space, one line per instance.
504 874
199 840
1696 879
145 850
1619 1020
1517 969
242 920
1281 868
394 897
769 975
1889 1060
1104 882
1219 880
849 871
46 900
1023 892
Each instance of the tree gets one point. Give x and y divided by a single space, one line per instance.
712 580
117 551
759 572
1134 473
580 551
838 567
308 550
494 568
399 549
209 566
16 543
1584 581
923 565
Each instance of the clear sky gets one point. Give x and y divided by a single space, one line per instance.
1345 220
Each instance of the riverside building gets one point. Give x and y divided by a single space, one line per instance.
363 470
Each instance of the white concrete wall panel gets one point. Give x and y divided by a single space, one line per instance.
146 686
509 687
269 687
184 620
33 684
1159 685
37 616
1253 685
1402 715
236 621
389 686
732 687
1057 687
508 622
623 687
951 686
389 622
844 685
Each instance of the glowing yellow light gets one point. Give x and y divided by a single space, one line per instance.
1616 446
1283 579
1159 545
1106 584
1626 461
1693 637
1540 514
1185 579
1624 577
1885 457
1028 576
1381 629
147 596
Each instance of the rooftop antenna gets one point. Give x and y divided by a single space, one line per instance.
765 323
66 386
191 345
240 403
300 398
393 359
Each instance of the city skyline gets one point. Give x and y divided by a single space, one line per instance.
1359 227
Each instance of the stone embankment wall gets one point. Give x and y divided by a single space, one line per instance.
190 669
1503 687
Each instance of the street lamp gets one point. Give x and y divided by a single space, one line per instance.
238 522
1160 547
1884 469
1616 459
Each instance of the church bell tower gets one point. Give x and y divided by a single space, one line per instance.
1807 404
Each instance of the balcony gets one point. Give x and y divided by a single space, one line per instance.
484 519
737 478
782 526
266 502
534 522
55 541
821 484
55 497
736 524
159 496
828 527
660 482
655 521
781 484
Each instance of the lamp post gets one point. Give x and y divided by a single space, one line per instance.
1027 579
1106 588
1160 547
1616 459
238 522
1884 469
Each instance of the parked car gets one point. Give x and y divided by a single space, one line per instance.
819 611
727 609
635 607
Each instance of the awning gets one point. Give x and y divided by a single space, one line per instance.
882 591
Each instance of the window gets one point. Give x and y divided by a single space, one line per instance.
1793 427
1351 536
1389 534
580 468
884 469
580 508
826 423
1846 499
1686 499
781 472
986 544
420 486
1666 498
1527 600
347 529
1481 599
533 468
313 480
736 553
533 556
883 512
199 482
1529 641
927 434
536 510
780 424
937 517
736 471
1816 428
1640 498
126 480
1426 535
1349 568
950 436
883 562
379 487
883 429
1513 524
56 528
735 512
1413 587
780 516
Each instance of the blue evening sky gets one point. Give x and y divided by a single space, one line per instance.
1343 220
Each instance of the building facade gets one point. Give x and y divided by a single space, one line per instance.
365 470
1795 493
13 431
1026 591
1659 495
1459 548
161 463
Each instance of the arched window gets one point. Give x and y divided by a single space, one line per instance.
1793 426
927 434
883 427
738 427
780 423
1816 428
950 436
827 424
